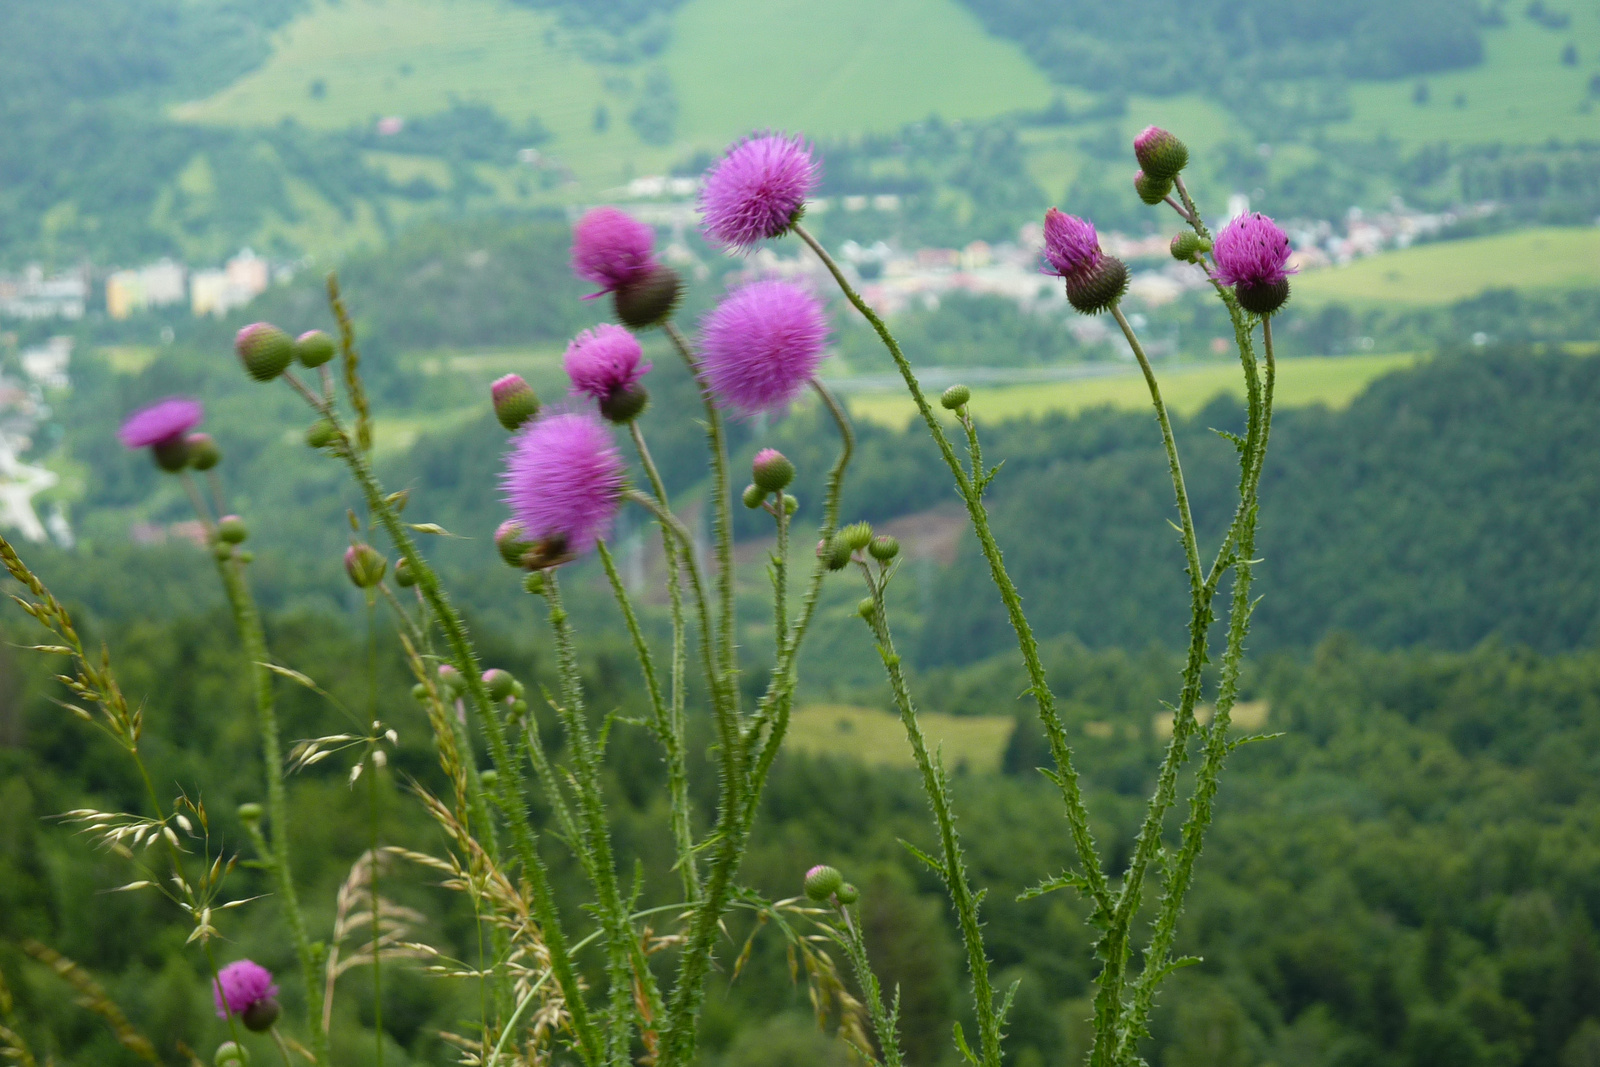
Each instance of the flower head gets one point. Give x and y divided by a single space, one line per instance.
1252 250
604 361
762 344
612 249
1071 245
514 401
756 190
240 986
163 422
1160 154
563 481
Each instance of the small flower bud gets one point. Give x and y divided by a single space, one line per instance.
753 496
222 550
404 577
203 451
321 434
955 398
625 405
857 535
534 583
772 470
1160 154
260 1016
847 894
246 556
419 692
313 348
250 812
884 548
489 777
231 528
822 882
1262 298
834 552
790 504
1151 190
866 609
171 455
1095 290
450 679
514 401
265 350
1187 245
499 683
513 549
231 1054
650 300
364 565
398 500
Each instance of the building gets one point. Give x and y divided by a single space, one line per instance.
157 285
32 295
46 365
217 292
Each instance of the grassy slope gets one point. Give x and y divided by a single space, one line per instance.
878 738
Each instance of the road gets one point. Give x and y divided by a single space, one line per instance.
19 483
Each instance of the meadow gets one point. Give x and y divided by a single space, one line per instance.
970 743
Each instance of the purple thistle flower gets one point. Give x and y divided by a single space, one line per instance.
1252 251
756 190
563 482
762 344
241 985
163 422
612 249
604 361
1071 245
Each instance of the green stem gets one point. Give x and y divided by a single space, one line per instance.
372 821
884 1021
1066 776
953 870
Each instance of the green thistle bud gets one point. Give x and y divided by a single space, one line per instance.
321 434
822 882
250 812
365 565
847 894
246 556
514 401
834 553
955 398
866 609
489 777
203 451
222 550
259 1016
1151 190
231 1054
231 528
790 504
313 348
884 548
1160 154
1096 290
1263 298
772 470
513 549
404 577
419 692
625 405
650 301
265 350
857 535
1187 245
499 683
534 583
171 456
451 681
754 496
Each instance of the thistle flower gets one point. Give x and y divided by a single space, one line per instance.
1094 280
1252 255
563 481
607 363
756 191
163 428
762 344
612 249
245 988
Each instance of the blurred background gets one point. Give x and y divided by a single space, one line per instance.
1408 875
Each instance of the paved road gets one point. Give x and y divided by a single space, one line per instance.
19 482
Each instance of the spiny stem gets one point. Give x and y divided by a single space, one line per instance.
372 820
883 1020
1067 775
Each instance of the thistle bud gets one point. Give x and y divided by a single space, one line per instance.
404 577
231 1054
883 548
231 528
1187 245
514 401
790 504
772 470
1160 154
857 535
245 557
534 583
321 434
450 679
866 608
222 550
171 455
203 451
650 300
313 348
753 496
625 405
261 1014
955 398
364 565
508 539
822 882
1095 290
250 812
1262 298
847 894
489 777
499 683
265 350
1151 190
419 692
834 552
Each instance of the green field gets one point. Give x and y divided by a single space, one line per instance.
973 742
1443 273
1301 382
